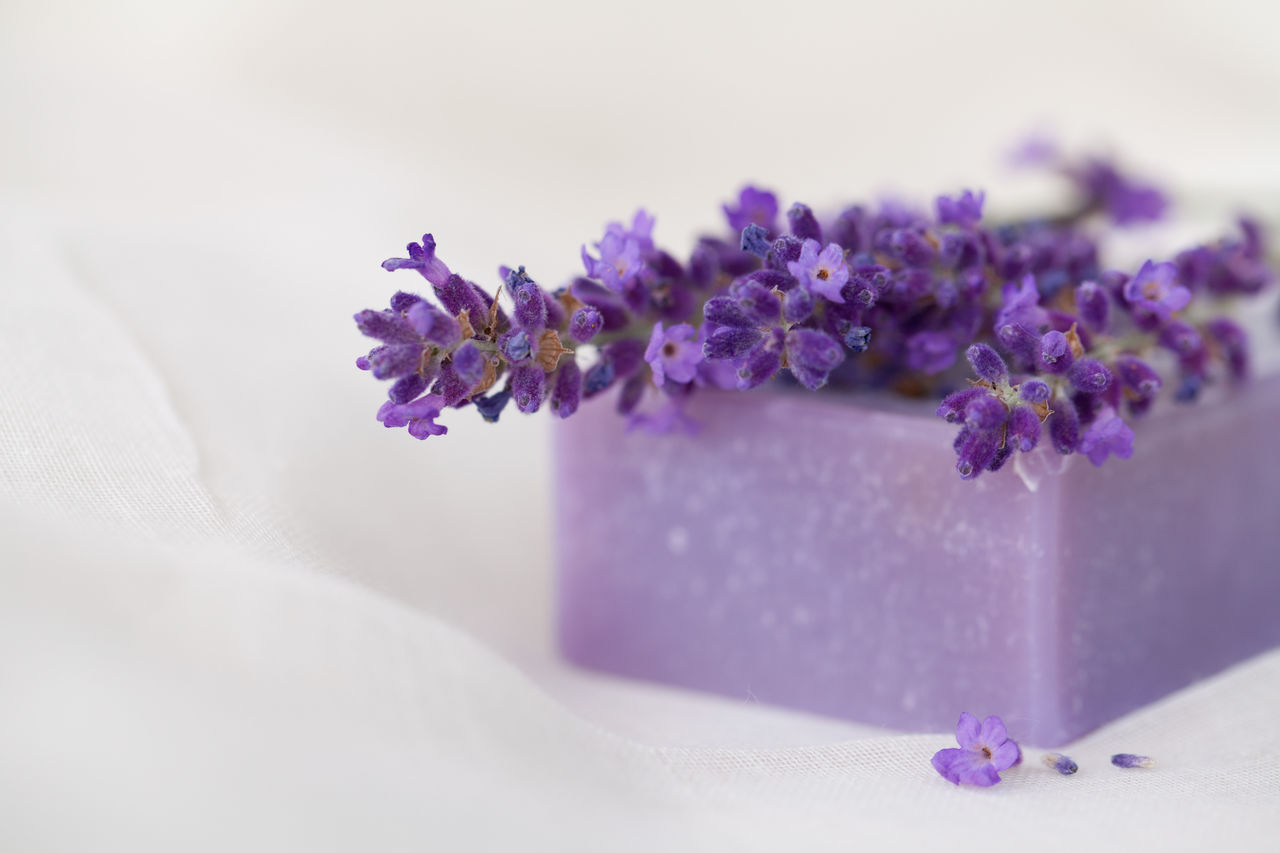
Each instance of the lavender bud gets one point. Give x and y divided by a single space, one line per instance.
627 355
976 450
1061 763
469 362
1138 376
797 305
1188 388
1235 345
491 407
911 247
599 377
567 392
785 250
987 363
1055 353
812 355
761 364
1092 306
407 388
451 386
458 295
1024 428
1089 376
1034 391
531 308
729 342
953 406
433 324
771 279
1126 760
1022 343
585 323
759 302
392 362
985 412
725 311
755 239
386 326
858 338
401 301
632 390
515 345
804 225
1183 339
528 384
1064 426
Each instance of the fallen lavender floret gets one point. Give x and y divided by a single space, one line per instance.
1127 760
1056 345
985 750
1060 763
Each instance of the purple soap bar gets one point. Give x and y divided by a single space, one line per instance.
813 552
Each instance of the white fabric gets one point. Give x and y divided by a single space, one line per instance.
237 614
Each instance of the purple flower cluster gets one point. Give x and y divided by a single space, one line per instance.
1056 345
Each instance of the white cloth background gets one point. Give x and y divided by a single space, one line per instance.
235 613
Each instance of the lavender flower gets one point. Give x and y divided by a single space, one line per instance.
984 751
821 270
672 353
1055 342
1154 293
419 416
755 207
1107 435
1060 763
966 209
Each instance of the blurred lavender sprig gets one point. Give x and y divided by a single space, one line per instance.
882 296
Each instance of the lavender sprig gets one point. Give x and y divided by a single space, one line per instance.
1060 348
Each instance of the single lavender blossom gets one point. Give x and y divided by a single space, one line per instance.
1154 291
822 270
1107 435
673 353
1060 763
755 207
985 750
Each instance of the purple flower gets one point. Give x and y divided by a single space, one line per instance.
984 751
965 210
673 353
1107 435
621 252
422 257
419 416
1021 306
1125 200
822 271
755 207
1153 291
